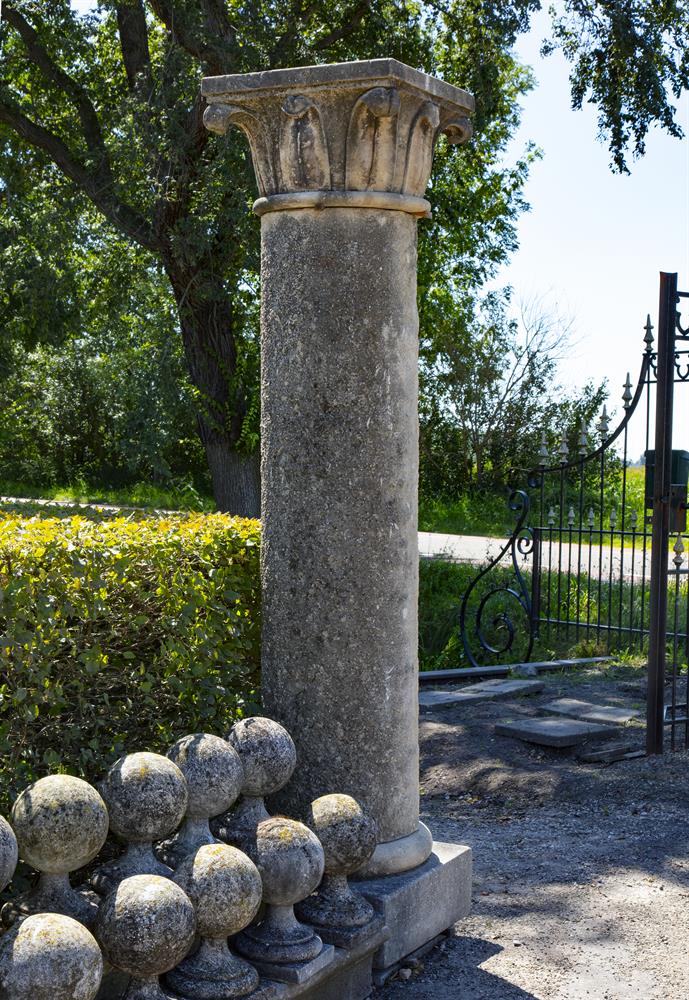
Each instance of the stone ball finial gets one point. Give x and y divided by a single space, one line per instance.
146 796
269 757
225 887
214 774
145 927
267 752
9 853
348 835
60 823
49 956
290 860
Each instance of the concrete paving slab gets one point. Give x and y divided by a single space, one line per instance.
589 712
485 691
550 732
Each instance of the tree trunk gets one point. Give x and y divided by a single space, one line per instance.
236 479
206 322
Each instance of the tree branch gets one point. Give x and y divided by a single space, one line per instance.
121 215
87 113
133 32
215 58
348 27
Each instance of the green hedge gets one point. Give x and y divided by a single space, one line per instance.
121 636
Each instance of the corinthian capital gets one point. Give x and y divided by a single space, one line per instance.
350 133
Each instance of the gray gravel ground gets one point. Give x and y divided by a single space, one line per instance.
581 885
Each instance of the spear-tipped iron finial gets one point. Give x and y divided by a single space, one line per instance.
627 394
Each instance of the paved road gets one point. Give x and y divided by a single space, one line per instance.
480 549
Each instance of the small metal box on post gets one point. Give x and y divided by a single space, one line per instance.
678 488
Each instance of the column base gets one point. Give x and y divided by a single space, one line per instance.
398 856
418 905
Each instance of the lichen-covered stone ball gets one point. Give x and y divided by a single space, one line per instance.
213 771
289 858
146 925
146 796
267 752
49 957
225 887
346 831
60 822
9 853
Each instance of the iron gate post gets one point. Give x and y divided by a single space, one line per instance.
661 514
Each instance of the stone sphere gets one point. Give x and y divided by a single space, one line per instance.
49 956
9 853
146 796
225 887
61 823
267 753
347 833
290 859
146 925
213 771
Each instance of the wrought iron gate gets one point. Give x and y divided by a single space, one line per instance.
590 558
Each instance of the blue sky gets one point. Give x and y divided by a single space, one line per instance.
594 242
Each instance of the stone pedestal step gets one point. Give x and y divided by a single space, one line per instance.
485 691
589 712
551 732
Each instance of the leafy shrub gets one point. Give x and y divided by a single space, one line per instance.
121 635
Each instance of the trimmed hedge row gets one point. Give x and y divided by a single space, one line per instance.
120 636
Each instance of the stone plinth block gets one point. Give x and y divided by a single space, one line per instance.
418 905
560 733
49 956
342 156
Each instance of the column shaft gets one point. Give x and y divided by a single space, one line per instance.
339 504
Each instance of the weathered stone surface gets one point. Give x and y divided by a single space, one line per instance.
290 860
590 713
60 823
146 796
145 927
342 157
348 836
49 956
361 126
269 757
225 888
491 690
267 752
9 853
418 905
296 972
340 462
214 775
549 732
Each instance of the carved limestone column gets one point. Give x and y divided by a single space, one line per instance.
342 156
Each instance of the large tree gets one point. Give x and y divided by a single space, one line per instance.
106 108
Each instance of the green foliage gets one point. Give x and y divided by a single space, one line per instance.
630 59
121 635
106 171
